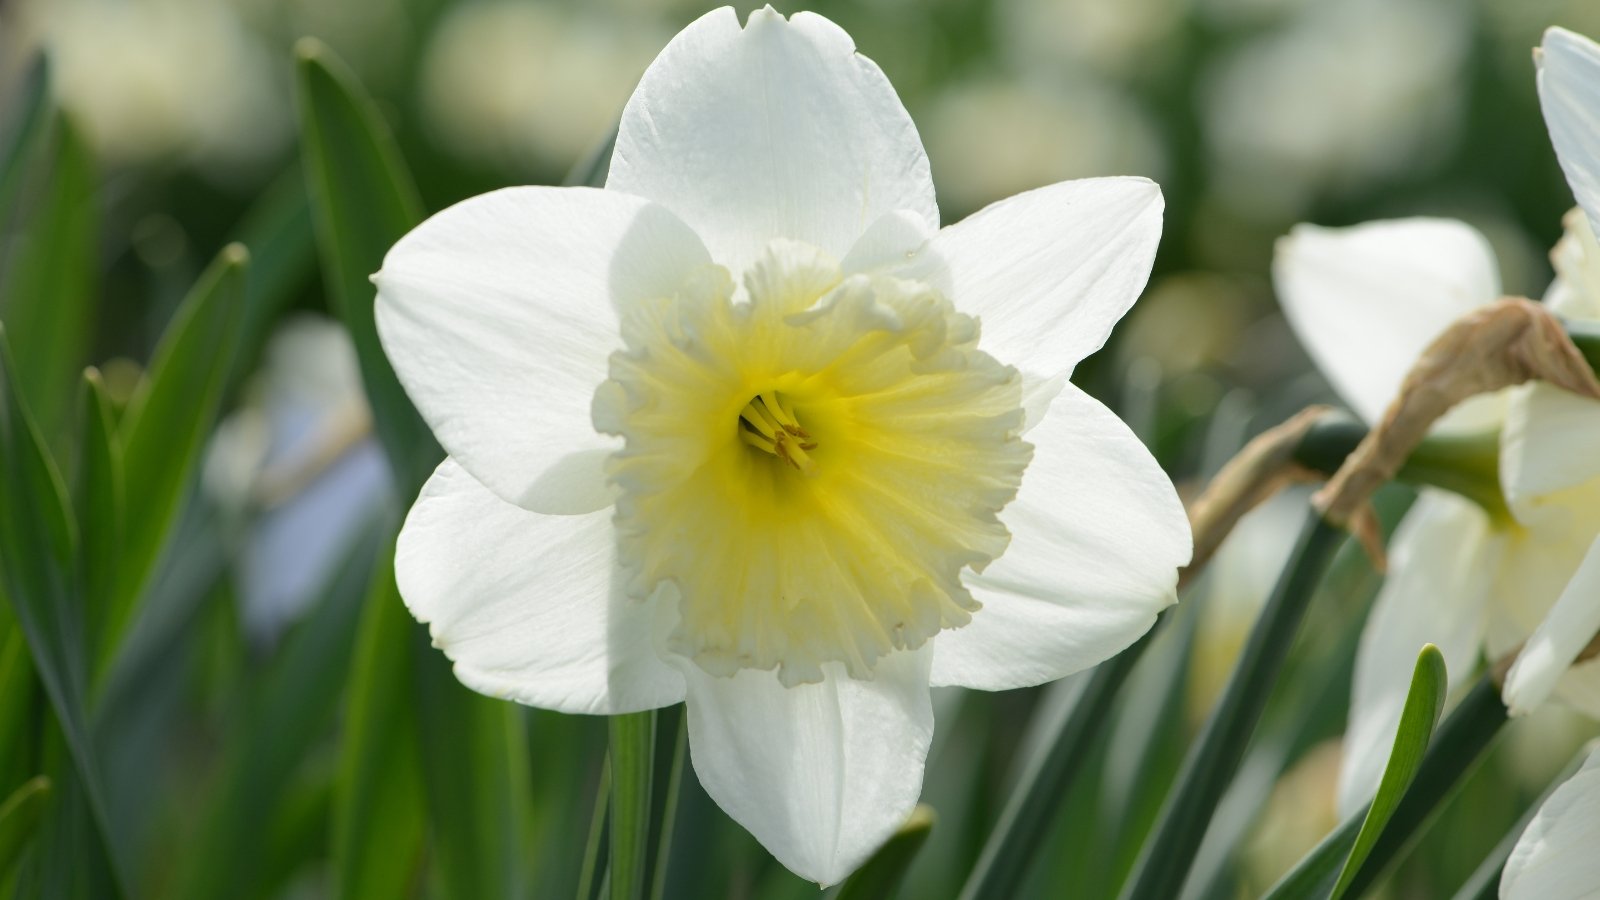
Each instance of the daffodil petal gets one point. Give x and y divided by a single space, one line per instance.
1365 301
1050 271
1539 452
527 605
499 315
1440 566
1555 858
1550 651
775 130
1569 92
820 773
1097 536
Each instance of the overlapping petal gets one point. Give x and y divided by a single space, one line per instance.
1441 561
1569 92
1048 272
1555 858
525 604
499 314
1568 628
821 773
1551 443
775 130
1098 535
1366 300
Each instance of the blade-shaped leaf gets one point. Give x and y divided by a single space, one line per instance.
32 105
166 426
47 285
39 579
475 772
100 509
880 876
379 812
633 742
1424 703
19 819
362 201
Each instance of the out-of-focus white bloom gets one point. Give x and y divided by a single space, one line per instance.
993 137
1345 94
726 433
298 465
149 80
1108 36
1555 857
530 86
1299 813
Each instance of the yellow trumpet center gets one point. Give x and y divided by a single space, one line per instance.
808 469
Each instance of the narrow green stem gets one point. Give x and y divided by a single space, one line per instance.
1215 756
633 749
1037 797
595 849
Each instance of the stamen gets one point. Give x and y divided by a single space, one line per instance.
766 425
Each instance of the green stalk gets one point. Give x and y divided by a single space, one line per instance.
1217 752
633 749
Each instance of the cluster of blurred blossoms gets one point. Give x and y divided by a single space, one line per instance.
1513 578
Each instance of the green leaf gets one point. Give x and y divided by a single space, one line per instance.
597 848
475 771
47 285
1458 746
19 819
378 808
362 201
32 105
100 510
18 704
283 256
39 579
633 756
1424 703
1215 756
880 876
278 724
165 428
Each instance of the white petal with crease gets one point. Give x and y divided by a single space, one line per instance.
1569 92
499 315
1049 271
523 603
775 130
1555 858
1097 536
821 773
1365 301
1440 564
1556 643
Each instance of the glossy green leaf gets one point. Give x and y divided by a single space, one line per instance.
1215 756
378 807
166 426
100 509
880 876
39 580
1424 703
1458 746
475 772
19 819
362 201
48 279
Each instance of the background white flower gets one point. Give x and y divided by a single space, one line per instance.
760 168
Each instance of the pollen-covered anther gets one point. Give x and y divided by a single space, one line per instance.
767 426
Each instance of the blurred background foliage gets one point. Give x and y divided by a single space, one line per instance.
266 719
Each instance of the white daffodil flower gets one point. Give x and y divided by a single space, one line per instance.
1365 301
726 432
1555 857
